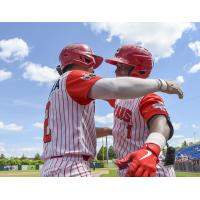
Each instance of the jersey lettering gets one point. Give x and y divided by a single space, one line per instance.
123 113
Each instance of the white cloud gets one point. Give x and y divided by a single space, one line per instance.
10 127
27 151
2 148
5 75
37 138
180 79
178 136
13 49
179 140
159 38
195 126
176 126
38 125
195 46
195 69
21 102
106 120
39 73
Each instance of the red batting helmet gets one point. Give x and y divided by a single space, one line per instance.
80 54
135 56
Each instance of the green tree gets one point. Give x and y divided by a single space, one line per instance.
37 162
18 161
2 156
23 157
12 161
111 153
184 144
26 162
37 156
4 161
102 153
191 144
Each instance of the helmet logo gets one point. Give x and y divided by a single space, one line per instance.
88 76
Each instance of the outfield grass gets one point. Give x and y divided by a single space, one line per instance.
112 173
27 173
187 174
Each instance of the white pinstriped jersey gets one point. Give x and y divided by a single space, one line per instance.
69 126
70 166
127 139
130 129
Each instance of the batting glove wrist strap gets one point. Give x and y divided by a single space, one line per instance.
156 138
162 85
154 148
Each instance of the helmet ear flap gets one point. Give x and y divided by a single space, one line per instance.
130 70
88 60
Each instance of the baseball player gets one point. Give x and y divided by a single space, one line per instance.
141 125
69 126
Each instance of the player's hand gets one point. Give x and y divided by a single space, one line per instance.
171 87
141 163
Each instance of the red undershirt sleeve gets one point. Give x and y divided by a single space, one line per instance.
78 85
151 105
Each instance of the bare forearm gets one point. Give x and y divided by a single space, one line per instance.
101 132
129 87
123 88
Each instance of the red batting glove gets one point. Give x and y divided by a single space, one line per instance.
141 162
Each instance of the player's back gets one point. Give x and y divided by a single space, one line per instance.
69 126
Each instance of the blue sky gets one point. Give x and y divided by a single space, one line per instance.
29 53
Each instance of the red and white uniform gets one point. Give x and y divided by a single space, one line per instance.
130 129
69 126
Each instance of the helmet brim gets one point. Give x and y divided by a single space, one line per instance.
98 61
115 60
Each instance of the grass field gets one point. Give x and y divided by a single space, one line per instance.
187 174
112 173
28 173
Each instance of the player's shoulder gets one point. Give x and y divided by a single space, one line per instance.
84 75
151 97
75 72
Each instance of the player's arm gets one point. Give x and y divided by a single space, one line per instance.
84 87
143 161
101 132
160 124
129 87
